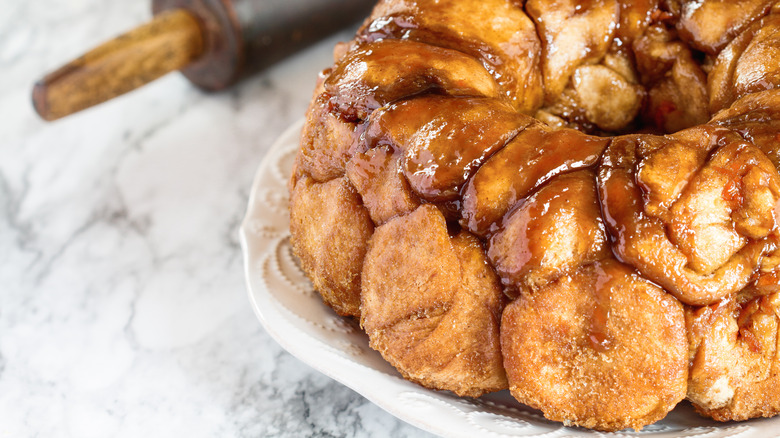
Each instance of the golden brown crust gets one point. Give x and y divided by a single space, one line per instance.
444 139
327 142
635 16
749 64
330 231
601 348
431 305
572 33
735 360
755 117
377 176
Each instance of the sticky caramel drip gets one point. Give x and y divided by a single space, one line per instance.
598 331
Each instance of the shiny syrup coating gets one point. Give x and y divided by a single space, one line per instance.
532 158
507 47
444 139
575 150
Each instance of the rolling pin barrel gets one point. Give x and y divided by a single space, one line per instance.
274 28
244 36
214 43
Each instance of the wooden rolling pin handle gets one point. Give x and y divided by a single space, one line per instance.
171 41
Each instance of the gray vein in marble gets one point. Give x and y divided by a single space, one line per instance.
12 199
45 269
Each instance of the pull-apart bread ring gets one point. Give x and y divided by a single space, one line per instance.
577 201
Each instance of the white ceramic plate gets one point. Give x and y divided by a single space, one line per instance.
292 312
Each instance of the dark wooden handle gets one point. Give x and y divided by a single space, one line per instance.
172 40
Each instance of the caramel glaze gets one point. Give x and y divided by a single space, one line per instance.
508 48
433 101
572 33
698 28
551 233
444 139
478 157
599 335
527 162
644 241
635 16
382 72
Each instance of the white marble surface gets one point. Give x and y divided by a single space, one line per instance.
123 309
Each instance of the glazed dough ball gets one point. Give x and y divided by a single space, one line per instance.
735 357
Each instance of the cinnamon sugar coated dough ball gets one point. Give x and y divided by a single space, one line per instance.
579 201
601 348
330 236
431 304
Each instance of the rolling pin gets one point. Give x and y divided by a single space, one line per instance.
214 43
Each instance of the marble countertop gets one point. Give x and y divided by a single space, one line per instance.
123 308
